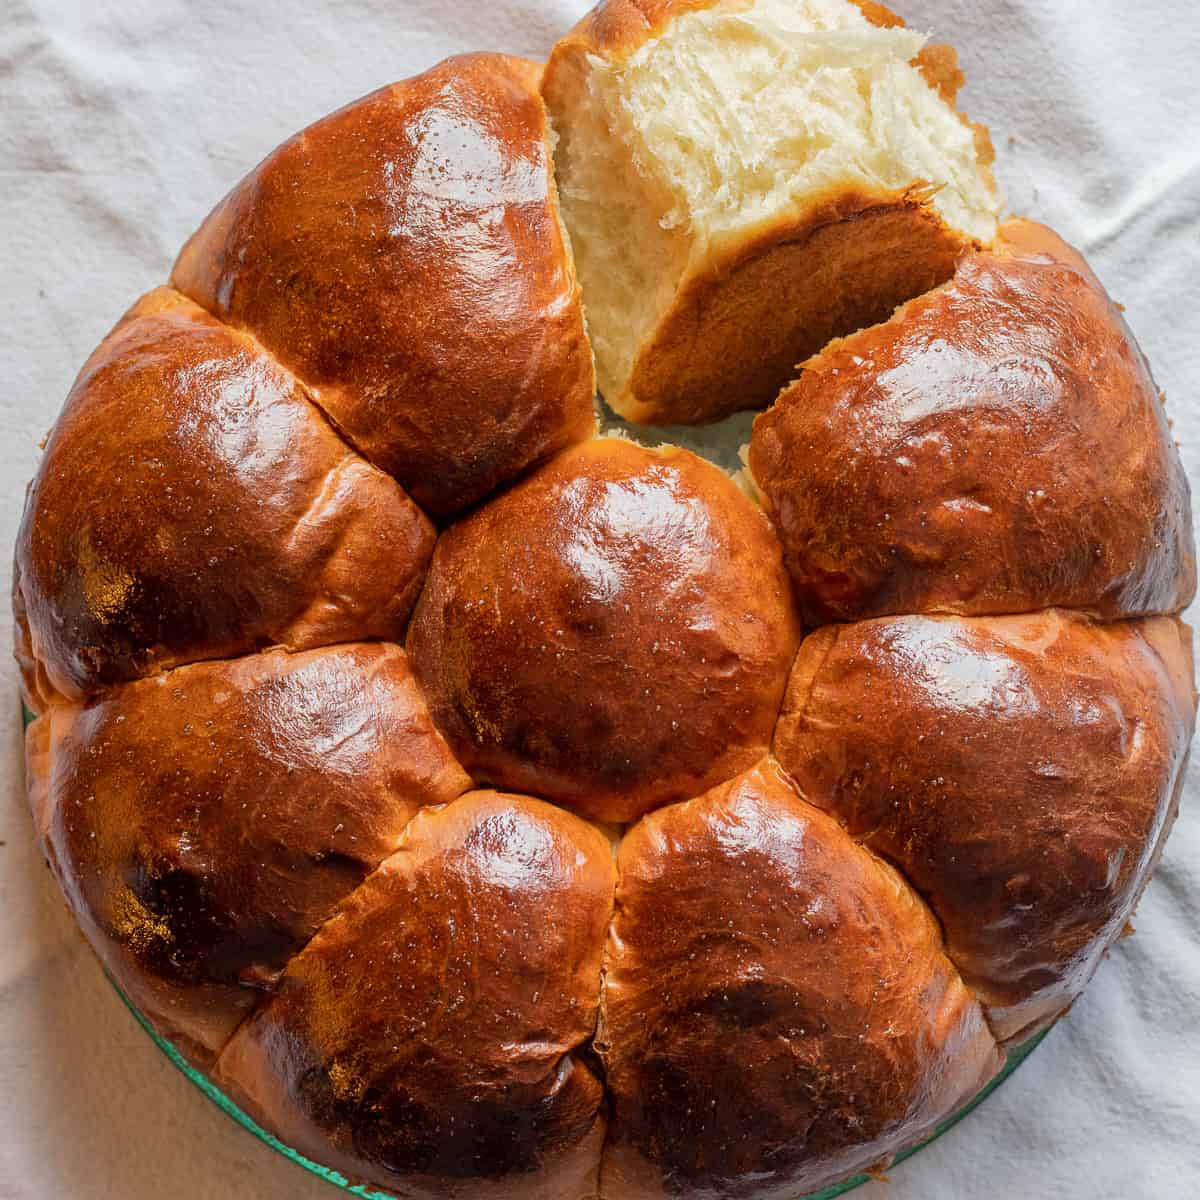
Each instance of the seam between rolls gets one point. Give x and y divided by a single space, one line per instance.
302 386
862 841
439 522
812 683
268 995
1079 611
601 1013
114 688
927 905
57 700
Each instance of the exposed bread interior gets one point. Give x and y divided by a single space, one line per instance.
729 129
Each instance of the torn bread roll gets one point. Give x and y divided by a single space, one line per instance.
745 179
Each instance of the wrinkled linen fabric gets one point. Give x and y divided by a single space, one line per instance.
123 121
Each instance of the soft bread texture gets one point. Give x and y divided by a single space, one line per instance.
204 823
428 1038
778 1012
745 180
998 446
405 258
1021 771
613 633
192 504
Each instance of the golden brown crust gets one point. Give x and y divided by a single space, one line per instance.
1021 771
193 504
1031 240
998 446
777 1012
204 823
613 633
274 855
938 63
404 257
879 14
36 689
427 1039
616 28
843 264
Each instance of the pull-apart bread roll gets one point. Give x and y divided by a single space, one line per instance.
745 179
749 914
428 1039
193 504
204 823
997 446
615 632
778 1012
405 258
1023 772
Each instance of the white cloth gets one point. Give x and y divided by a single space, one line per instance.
123 121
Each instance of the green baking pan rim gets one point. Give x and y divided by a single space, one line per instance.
1016 1056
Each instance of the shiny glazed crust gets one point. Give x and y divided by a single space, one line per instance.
998 446
192 504
778 1011
859 866
404 257
1021 772
429 1036
613 633
203 824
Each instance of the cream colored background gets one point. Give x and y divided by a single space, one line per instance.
123 121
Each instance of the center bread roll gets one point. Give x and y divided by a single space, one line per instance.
744 181
614 633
